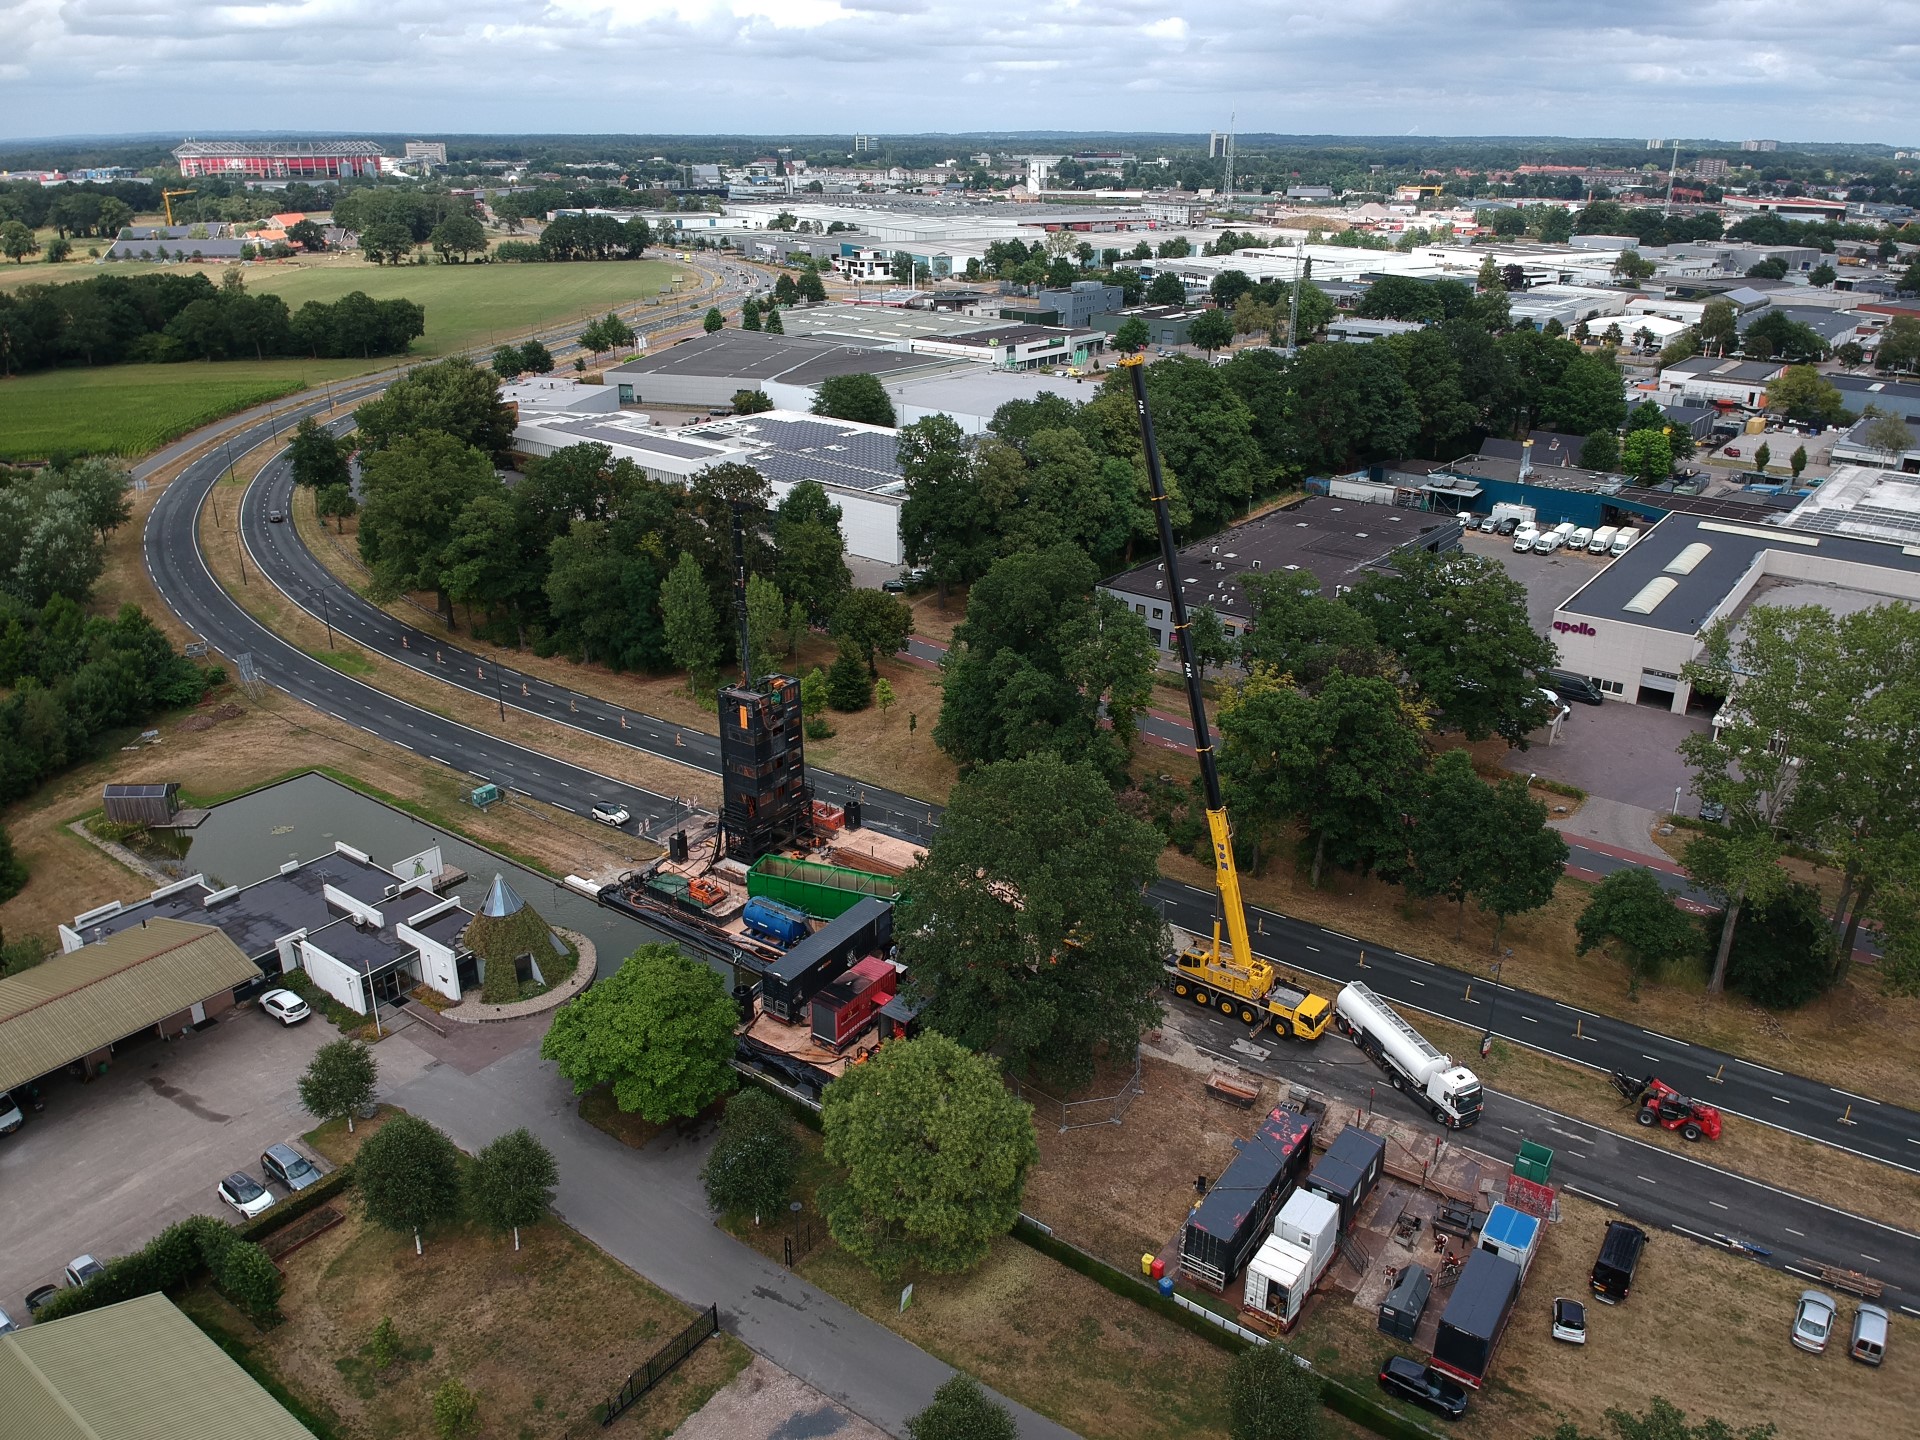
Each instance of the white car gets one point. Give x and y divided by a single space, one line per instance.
614 815
1523 539
285 1006
245 1194
1570 1321
10 1117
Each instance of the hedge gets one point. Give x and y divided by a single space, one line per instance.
297 1204
173 1258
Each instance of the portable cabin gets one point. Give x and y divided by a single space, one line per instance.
788 985
1512 1234
1349 1170
842 1008
1226 1227
1475 1317
1400 1312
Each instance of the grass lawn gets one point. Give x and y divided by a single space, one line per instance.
542 1335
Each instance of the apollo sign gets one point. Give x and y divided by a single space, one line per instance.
1573 627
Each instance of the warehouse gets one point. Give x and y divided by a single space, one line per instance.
972 395
1335 541
708 370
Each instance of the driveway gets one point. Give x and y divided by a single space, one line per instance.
1628 753
1550 580
109 1164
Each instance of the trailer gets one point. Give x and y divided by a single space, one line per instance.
1476 1317
1449 1092
1347 1173
770 920
843 1008
1226 1227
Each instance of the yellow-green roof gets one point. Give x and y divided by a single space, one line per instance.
139 1370
74 1004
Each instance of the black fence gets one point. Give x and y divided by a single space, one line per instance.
705 1326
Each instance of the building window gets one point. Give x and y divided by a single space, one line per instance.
1231 632
1614 687
1139 609
1154 630
1158 614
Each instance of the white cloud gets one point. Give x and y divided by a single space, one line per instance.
1172 28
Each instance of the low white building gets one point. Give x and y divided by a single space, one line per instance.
556 393
1705 380
971 396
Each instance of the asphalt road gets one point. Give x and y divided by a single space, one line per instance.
1806 1107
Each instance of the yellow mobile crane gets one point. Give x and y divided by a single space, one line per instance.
167 197
1234 981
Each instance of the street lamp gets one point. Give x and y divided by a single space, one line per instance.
1486 1038
1676 801
326 616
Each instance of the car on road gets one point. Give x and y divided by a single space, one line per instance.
285 1006
1570 1321
10 1117
285 1166
245 1194
277 517
1410 1380
1813 1320
611 813
81 1269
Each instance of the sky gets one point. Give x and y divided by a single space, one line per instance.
1722 69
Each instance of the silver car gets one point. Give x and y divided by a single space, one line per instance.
1813 1320
284 1165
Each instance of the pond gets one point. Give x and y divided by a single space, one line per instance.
249 838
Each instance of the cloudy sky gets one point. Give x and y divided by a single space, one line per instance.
1726 69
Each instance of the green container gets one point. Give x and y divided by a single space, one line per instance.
1535 1163
822 891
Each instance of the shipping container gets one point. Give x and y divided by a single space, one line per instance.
1310 1221
1225 1228
823 891
1280 1276
1471 1325
1400 1312
1349 1170
1511 1234
788 985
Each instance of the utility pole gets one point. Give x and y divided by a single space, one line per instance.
1301 264
740 593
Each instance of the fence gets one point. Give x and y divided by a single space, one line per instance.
1078 1114
664 1360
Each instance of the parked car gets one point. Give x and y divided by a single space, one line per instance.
1486 526
1869 1343
1410 1380
1573 687
284 1165
1619 1259
1712 811
1570 1321
1548 541
611 813
1813 1321
81 1269
245 1194
895 586
1581 538
38 1297
10 1117
1507 525
285 1006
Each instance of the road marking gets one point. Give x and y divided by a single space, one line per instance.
1804 1274
1695 1234
1783 1102
1530 1020
1751 1066
1598 1199
1510 1130
1421 983
1649 1181
1669 1039
1863 1099
1717 1205
1316 950
1645 1056
1338 936
437 760
1791 1231
1910 1310
1577 1010
403 745
1874 1259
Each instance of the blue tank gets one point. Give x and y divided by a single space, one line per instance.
770 920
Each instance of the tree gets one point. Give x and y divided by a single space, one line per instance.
1459 624
1024 927
454 396
714 320
506 362
1209 638
1632 267
336 502
659 1031
773 324
961 1410
317 458
1771 268
415 492
13 871
785 292
766 624
1133 336
459 235
1822 275
1782 957
536 359
307 234
812 290
456 1410
1899 347
687 611
1763 457
944 520
1646 456
513 1182
854 397
751 402
1803 393
870 623
338 1081
386 243
1797 462
1587 397
1211 330
1296 632
1629 908
408 1176
750 314
1271 1395
17 241
849 684
1449 832
1350 405
884 697
811 564
1523 858
1601 451
934 1153
1167 289
755 1158
1890 435
1719 326
58 249
1776 335
1663 1421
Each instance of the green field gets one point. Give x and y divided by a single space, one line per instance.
131 409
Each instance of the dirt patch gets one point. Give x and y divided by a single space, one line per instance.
765 1402
543 1335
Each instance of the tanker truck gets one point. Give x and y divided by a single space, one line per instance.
1450 1092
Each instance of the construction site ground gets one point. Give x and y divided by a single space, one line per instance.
1122 1191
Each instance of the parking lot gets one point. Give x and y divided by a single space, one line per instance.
1550 580
108 1164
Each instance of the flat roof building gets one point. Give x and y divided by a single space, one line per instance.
970 396
1703 380
707 370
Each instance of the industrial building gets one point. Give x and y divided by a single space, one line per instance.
1704 380
707 370
278 159
1334 540
557 393
972 395
856 464
1166 324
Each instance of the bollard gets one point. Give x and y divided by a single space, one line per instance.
1576 1029
1363 959
1847 1119
479 672
1469 994
1714 1079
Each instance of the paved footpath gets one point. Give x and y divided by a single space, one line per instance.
646 1209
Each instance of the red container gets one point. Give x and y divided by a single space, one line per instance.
1159 1269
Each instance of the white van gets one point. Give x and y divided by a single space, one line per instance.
1602 542
1549 541
1624 541
1580 539
1524 537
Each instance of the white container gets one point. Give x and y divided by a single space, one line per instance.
1310 1221
1279 1279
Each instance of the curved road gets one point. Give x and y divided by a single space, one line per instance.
1642 1180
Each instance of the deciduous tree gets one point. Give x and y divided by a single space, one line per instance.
871 623
1646 456
854 397
408 1176
338 1081
1272 1395
513 1182
1133 336
1629 909
755 1158
961 1410
415 492
687 612
317 458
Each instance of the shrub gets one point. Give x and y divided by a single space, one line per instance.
961 1410
755 1158
456 1410
1270 1396
383 1348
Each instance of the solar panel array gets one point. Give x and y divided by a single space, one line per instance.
795 450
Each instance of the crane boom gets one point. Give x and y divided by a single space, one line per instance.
1225 877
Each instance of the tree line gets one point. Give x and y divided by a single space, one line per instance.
582 237
115 319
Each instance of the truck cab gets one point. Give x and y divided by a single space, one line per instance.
1298 1014
1459 1094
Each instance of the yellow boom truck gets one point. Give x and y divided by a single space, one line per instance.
1233 980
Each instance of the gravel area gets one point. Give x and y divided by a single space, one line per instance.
765 1402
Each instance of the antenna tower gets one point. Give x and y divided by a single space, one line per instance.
1671 171
1226 187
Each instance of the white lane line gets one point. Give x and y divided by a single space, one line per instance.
1751 1066
1718 1206
1874 1259
1530 1020
1791 1231
1646 1178
1509 1129
1669 1039
1421 983
403 745
1776 1097
1694 1234
1597 1199
438 761
1910 1310
1863 1099
1338 936
1314 948
1645 1056
1577 1010
1803 1274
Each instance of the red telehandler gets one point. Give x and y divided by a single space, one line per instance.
1660 1104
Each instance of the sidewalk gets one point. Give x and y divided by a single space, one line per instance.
646 1209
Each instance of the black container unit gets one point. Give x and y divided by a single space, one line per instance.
1475 1316
1231 1223
1348 1171
1400 1312
788 985
765 802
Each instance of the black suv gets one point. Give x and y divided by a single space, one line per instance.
1572 687
1410 1380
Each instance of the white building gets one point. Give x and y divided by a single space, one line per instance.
1704 380
971 396
553 392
